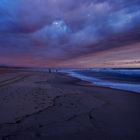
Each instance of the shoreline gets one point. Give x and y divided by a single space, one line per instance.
85 83
130 87
78 81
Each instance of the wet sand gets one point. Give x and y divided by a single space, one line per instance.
53 106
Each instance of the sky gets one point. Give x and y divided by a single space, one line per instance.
69 33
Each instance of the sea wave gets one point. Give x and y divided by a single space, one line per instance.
105 83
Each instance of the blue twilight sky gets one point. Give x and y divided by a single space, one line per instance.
69 33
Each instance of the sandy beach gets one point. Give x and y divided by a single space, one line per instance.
54 106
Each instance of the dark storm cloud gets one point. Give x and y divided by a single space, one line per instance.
59 29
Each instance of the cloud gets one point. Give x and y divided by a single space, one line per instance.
55 30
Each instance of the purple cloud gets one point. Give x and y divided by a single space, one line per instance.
55 30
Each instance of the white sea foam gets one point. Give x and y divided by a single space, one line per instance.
104 83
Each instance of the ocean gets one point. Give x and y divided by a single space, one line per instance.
117 78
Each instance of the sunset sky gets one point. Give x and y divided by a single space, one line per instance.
70 33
